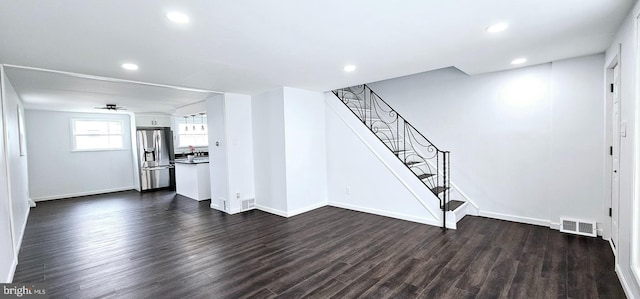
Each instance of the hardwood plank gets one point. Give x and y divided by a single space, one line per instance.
306 286
160 245
327 289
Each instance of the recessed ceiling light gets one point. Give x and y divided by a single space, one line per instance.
519 61
350 68
497 27
130 66
178 17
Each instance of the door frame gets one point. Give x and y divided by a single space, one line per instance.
608 141
635 204
5 169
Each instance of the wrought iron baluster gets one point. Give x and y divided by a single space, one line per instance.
444 194
412 148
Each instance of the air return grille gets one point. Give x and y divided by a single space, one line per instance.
248 204
578 227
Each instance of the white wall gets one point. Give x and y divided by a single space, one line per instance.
55 171
8 258
305 147
238 125
219 173
577 144
526 144
630 110
289 150
231 161
269 151
363 175
17 165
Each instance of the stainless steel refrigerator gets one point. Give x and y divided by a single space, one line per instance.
155 158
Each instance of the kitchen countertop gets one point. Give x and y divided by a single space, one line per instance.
195 161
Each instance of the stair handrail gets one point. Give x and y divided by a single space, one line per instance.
440 187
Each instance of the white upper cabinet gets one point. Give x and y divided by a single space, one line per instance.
153 120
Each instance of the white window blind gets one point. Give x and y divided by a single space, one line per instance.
97 134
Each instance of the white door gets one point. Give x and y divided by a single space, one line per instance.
615 159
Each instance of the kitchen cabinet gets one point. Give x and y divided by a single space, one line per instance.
192 179
153 120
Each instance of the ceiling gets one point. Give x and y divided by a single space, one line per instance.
54 91
249 46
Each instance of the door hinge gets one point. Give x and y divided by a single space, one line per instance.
610 212
611 87
611 150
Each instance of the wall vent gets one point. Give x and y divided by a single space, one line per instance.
578 227
248 204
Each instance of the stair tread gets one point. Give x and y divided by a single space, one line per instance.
413 163
439 189
425 176
402 150
454 204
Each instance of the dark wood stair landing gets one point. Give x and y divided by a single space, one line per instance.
454 204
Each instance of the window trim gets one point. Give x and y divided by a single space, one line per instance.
74 148
178 122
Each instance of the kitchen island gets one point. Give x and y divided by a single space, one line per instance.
192 178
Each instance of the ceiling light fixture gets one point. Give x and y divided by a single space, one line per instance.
497 27
350 68
519 61
178 17
130 66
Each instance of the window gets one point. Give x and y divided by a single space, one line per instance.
193 131
97 134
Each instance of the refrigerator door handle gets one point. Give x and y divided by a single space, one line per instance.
158 167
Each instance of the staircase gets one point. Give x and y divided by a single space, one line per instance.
427 162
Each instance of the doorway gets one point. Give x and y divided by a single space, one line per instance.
615 125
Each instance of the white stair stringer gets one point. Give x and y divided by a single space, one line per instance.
467 208
455 193
431 203
453 217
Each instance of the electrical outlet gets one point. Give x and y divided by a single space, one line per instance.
238 195
348 191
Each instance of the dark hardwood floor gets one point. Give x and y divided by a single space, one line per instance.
159 245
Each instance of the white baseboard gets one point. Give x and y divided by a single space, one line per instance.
16 253
24 227
613 249
513 218
288 214
215 203
12 271
624 282
86 193
411 218
306 209
271 210
234 211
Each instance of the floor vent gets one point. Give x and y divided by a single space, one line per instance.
578 227
248 204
